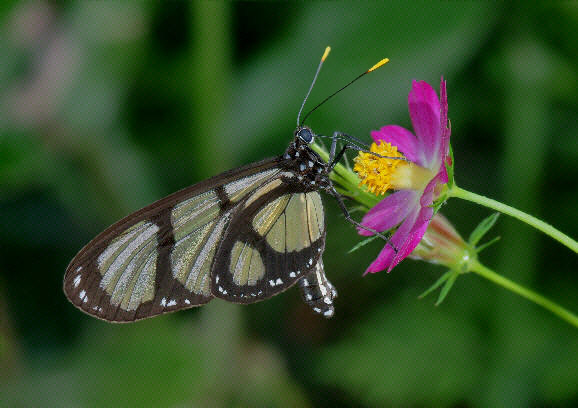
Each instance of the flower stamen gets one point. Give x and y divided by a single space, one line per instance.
376 172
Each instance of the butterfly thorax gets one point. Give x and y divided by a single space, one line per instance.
311 171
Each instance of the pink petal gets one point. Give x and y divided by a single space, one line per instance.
405 239
383 260
389 212
424 109
400 137
444 126
414 237
386 258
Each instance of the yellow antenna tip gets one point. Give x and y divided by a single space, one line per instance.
379 64
326 53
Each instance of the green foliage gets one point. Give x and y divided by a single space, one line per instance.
483 227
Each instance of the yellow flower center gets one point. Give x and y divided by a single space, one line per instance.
380 174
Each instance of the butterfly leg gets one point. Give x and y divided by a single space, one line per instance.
387 238
318 292
351 143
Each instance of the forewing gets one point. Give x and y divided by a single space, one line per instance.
274 239
159 259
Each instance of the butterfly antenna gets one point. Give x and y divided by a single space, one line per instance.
373 68
325 54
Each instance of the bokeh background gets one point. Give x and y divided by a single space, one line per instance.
107 106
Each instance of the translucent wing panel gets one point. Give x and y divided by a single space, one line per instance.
238 189
246 265
128 266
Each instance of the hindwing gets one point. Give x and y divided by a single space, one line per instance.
275 237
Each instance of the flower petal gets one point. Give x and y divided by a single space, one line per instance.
399 136
405 239
389 212
424 109
385 259
446 130
416 233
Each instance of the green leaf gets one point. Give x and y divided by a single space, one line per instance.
436 285
487 244
482 228
362 243
446 289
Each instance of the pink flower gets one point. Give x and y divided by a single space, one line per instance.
418 182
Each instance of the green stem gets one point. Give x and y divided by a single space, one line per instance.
540 225
532 296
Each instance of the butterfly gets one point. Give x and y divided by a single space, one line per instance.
243 236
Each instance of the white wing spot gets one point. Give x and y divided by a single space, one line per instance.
100 310
77 281
85 299
260 292
327 300
310 163
298 272
309 297
79 269
163 302
272 282
323 290
217 279
310 261
82 293
172 302
317 309
187 301
95 307
302 167
328 313
292 274
278 281
305 282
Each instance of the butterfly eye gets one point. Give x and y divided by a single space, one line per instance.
306 135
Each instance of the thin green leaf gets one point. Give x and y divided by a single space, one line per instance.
446 289
437 284
482 228
487 244
362 243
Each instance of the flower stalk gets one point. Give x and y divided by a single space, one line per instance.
532 296
540 225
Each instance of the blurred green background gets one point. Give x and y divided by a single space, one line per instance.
108 106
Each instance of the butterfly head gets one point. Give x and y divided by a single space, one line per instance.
304 134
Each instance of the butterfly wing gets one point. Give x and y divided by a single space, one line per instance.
159 259
275 237
318 292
